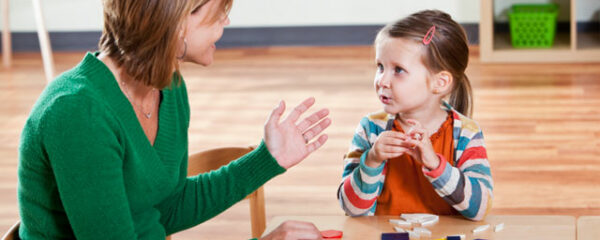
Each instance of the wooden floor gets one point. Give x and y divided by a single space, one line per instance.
541 123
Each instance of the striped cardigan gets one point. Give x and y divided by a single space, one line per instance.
467 186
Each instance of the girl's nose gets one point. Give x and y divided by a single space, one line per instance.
383 81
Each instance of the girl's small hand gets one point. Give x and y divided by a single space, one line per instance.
421 148
290 142
389 144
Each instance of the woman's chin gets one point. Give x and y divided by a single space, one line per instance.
207 58
206 62
203 61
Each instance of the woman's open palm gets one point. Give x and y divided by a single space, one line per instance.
290 142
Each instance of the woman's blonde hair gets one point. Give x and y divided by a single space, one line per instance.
447 50
142 36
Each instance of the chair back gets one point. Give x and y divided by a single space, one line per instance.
213 159
13 232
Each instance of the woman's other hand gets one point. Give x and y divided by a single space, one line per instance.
290 142
292 230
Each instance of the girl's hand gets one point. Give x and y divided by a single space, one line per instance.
389 144
289 142
292 230
421 148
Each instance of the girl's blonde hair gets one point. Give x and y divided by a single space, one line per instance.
447 51
142 36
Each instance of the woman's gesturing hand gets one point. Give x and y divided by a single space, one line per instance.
290 142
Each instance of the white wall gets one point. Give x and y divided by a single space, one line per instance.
86 15
342 12
60 15
81 15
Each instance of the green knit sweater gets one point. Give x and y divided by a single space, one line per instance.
88 171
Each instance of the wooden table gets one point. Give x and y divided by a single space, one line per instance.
515 226
588 228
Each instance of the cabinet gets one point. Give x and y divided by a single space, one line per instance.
573 46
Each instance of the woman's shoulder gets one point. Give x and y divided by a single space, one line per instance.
67 91
69 99
59 109
178 86
90 81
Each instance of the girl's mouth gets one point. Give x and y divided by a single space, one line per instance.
385 99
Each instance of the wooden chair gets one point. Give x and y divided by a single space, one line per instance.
213 159
13 232
42 35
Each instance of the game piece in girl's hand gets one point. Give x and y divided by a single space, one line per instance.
416 136
331 234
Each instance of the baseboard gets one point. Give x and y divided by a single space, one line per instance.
60 41
260 36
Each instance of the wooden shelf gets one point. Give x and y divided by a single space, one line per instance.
502 43
588 40
568 47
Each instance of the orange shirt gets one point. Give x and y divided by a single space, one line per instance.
406 190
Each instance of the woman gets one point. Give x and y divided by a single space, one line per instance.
103 154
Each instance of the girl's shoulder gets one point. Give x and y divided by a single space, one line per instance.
376 122
379 116
466 126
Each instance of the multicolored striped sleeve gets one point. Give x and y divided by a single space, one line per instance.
361 185
468 187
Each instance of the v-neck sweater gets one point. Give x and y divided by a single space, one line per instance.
88 171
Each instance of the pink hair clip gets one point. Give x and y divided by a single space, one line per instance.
429 34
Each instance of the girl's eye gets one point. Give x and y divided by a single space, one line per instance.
379 67
399 70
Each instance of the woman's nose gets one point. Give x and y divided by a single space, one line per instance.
226 20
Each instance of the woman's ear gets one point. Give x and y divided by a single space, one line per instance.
183 28
442 82
182 31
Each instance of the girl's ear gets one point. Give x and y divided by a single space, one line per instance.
442 83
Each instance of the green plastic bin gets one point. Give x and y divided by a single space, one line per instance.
533 25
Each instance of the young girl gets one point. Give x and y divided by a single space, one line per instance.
421 154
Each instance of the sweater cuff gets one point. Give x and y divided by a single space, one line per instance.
261 165
435 173
369 170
